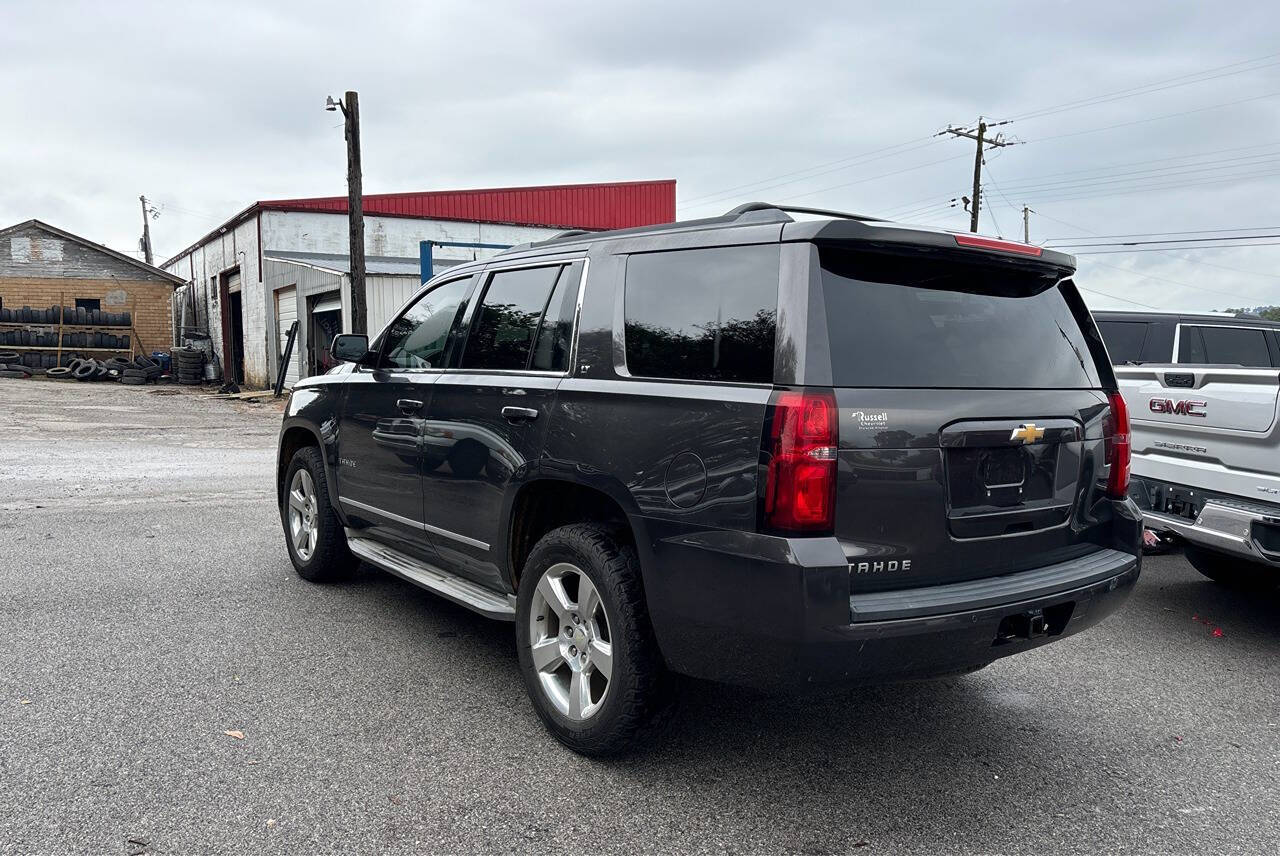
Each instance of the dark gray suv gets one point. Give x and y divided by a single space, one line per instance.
750 449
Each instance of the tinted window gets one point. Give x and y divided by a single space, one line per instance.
417 339
503 330
1235 346
896 322
1124 340
1190 346
551 348
703 314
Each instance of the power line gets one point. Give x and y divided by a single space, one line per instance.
1154 173
1171 281
1042 197
1080 228
1155 118
1158 86
848 162
1156 234
1017 184
1162 249
1116 297
875 177
1173 240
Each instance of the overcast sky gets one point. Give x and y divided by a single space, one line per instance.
208 107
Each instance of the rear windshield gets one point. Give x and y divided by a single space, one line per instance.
895 321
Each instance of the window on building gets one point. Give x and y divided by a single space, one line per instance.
88 303
508 319
419 337
702 314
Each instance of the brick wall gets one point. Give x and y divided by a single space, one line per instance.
149 302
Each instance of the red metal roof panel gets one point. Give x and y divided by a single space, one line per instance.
615 205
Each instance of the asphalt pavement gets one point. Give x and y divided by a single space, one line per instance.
169 685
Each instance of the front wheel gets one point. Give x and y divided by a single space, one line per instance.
586 648
312 530
1232 571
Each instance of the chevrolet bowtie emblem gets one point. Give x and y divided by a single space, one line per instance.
1026 434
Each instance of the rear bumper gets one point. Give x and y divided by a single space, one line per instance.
777 613
1236 527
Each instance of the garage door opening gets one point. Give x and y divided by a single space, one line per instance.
326 323
232 327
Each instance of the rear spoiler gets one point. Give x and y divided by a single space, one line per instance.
960 246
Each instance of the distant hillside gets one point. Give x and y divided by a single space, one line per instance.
1271 313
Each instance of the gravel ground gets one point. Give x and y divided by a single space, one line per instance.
150 608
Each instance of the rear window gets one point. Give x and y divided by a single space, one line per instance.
702 314
895 321
1224 346
1124 340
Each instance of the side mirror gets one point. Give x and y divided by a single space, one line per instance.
351 348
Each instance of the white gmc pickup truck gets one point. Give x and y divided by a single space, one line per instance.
1206 463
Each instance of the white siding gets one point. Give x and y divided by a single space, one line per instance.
383 296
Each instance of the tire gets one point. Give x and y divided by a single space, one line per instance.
12 373
133 381
325 557
59 373
636 692
1232 571
84 371
9 356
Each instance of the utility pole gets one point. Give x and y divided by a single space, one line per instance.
978 134
1026 224
146 232
350 107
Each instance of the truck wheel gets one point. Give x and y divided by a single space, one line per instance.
587 652
1231 570
312 530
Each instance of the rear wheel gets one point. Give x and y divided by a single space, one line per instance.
586 649
1232 571
312 530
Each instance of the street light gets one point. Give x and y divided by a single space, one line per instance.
350 107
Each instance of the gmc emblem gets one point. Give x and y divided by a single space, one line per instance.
1178 408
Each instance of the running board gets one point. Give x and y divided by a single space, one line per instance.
461 591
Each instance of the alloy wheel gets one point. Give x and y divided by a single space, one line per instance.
570 642
303 515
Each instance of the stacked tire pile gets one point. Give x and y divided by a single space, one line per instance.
133 372
78 316
188 365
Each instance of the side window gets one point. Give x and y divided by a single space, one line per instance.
1124 340
507 320
417 339
1234 346
551 348
702 314
1190 346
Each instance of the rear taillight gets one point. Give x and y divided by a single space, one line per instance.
1119 448
801 444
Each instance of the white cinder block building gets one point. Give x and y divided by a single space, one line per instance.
283 260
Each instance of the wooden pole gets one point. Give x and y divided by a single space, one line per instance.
355 209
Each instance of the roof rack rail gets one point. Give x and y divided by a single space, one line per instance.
568 233
748 207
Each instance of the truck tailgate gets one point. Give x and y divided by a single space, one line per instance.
1208 427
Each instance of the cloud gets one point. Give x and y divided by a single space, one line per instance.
206 108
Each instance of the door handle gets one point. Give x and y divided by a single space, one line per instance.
517 414
408 405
